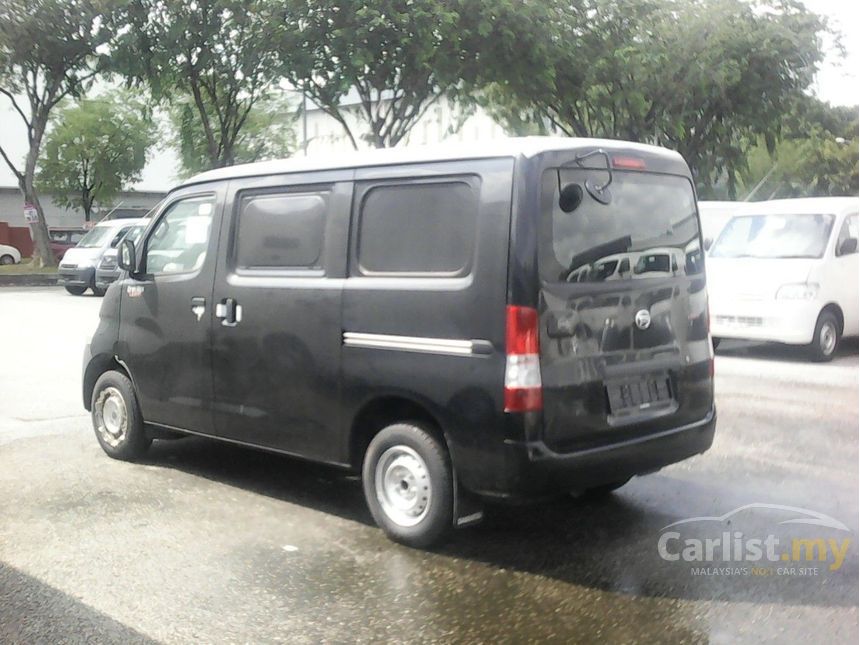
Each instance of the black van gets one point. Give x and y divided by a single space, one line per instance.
510 321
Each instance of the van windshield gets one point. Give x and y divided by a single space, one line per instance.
97 237
649 228
774 236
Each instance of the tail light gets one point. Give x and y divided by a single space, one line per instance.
523 391
628 163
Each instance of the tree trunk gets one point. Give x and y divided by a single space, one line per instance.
42 256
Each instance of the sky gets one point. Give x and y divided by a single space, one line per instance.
837 82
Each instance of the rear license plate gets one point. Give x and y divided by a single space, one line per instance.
638 395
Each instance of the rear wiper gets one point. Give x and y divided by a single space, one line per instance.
600 192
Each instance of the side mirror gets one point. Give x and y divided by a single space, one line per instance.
848 246
708 243
127 257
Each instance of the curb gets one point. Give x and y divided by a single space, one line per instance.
29 280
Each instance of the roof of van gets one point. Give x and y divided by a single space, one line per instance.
122 221
507 147
720 206
800 206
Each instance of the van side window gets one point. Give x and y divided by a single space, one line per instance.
179 241
847 232
417 228
280 230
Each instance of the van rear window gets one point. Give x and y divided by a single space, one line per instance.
423 228
648 229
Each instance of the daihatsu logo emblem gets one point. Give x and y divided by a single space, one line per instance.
642 319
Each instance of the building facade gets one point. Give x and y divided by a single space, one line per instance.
15 231
443 121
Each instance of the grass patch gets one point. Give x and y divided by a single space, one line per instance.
25 267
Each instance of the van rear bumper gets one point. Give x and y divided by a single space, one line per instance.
534 470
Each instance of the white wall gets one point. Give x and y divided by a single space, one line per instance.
439 124
12 207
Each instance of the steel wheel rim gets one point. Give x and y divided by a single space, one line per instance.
827 338
111 416
403 487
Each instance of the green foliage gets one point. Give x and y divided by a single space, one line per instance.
816 157
401 56
268 133
49 49
95 149
223 54
704 77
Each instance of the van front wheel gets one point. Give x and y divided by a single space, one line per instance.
408 484
116 416
826 337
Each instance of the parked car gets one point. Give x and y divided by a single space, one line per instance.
786 271
77 271
406 314
107 270
9 254
64 238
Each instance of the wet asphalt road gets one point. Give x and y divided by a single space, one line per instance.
206 542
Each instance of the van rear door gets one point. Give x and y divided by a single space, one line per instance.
624 345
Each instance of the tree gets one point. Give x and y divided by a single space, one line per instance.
219 53
817 155
95 149
48 50
399 57
704 77
266 134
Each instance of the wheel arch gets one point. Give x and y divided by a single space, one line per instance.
837 311
97 366
380 411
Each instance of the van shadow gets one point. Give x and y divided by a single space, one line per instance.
607 544
848 349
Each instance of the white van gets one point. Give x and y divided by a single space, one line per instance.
786 271
715 215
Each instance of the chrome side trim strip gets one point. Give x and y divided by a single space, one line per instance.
415 344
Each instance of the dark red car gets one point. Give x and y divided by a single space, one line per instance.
64 238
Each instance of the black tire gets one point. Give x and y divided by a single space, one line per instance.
400 442
825 339
76 291
7 259
98 292
131 440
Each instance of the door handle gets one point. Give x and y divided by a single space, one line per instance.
198 307
229 311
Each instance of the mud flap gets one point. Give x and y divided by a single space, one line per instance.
468 508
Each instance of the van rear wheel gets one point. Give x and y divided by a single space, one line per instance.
116 417
408 484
